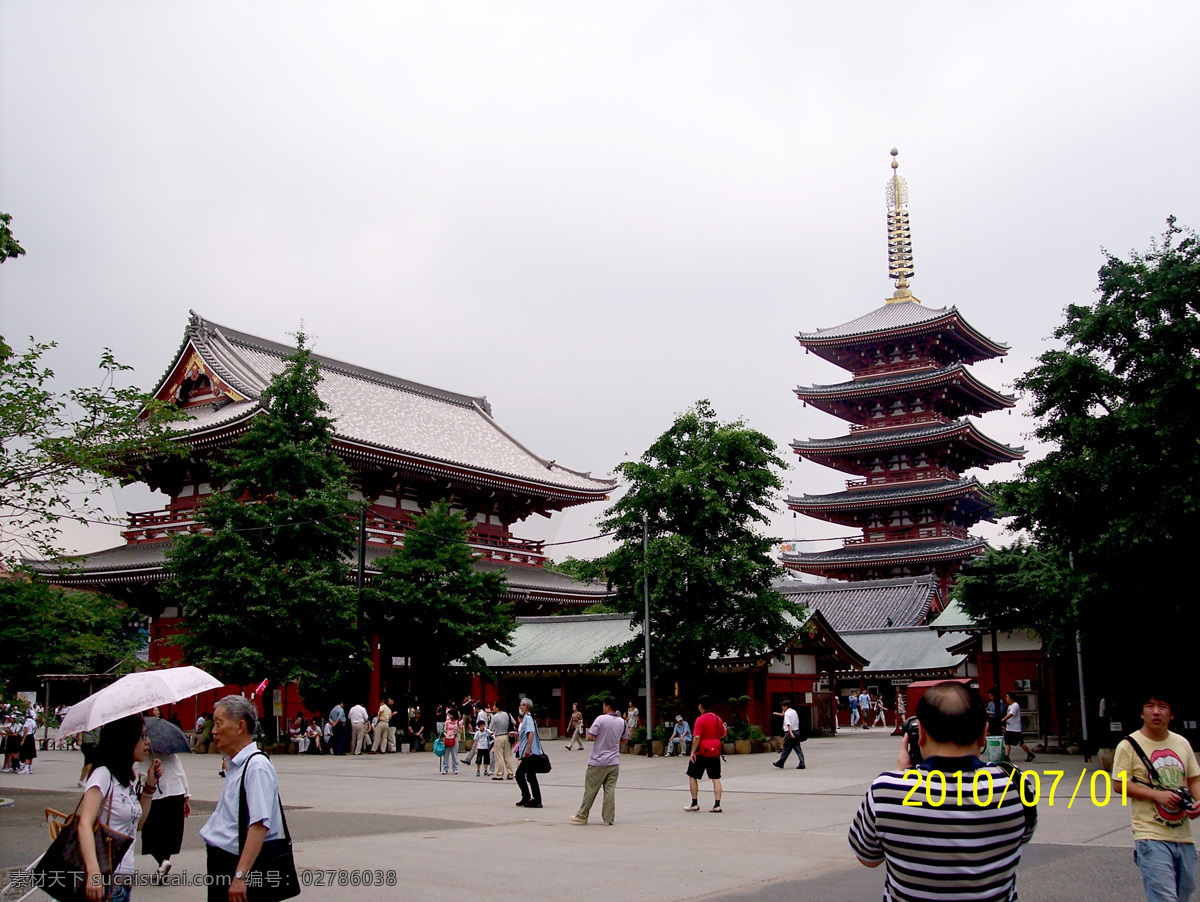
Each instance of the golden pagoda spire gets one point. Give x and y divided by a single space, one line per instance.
900 254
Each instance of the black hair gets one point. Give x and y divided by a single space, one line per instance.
705 702
117 742
613 704
952 713
1162 693
786 701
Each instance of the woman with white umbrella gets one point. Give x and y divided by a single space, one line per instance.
110 793
162 834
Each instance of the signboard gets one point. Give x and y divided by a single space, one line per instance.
399 662
277 702
901 682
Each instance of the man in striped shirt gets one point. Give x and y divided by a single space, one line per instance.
951 827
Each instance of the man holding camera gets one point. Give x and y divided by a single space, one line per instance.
1162 778
945 845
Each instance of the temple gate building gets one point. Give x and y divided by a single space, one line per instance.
408 445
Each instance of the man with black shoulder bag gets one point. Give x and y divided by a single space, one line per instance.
249 847
1162 777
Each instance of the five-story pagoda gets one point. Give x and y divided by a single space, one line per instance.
911 438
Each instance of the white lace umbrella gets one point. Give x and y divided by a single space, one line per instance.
135 693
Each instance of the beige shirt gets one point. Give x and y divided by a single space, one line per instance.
385 713
1175 763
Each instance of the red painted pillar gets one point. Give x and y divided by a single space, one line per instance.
373 692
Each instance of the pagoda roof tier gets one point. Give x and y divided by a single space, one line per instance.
867 604
971 496
973 394
909 319
379 420
844 451
145 563
870 554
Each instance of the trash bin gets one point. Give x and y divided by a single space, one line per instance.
993 751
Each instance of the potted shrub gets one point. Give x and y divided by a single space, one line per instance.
660 741
740 734
757 739
637 740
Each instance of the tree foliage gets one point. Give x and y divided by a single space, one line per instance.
431 603
1021 587
267 594
9 247
50 630
1119 405
704 488
58 451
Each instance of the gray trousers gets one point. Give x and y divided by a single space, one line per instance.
597 776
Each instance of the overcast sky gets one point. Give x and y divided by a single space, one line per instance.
595 214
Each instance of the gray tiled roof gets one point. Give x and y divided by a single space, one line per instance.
869 437
567 641
906 650
379 411
900 380
888 551
577 640
885 493
897 315
953 617
869 604
146 562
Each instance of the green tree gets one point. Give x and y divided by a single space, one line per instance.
59 451
704 488
1119 405
8 244
430 603
267 594
50 630
1021 587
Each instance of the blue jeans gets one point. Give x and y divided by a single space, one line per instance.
450 758
1168 869
120 894
853 716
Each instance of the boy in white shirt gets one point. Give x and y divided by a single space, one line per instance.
483 750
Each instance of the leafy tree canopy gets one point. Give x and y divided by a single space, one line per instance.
49 630
58 451
8 244
1021 587
431 603
1119 404
267 594
704 488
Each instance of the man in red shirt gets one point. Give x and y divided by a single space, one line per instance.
706 754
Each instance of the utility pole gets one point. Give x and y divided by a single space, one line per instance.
646 632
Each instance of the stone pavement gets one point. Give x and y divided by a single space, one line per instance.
782 835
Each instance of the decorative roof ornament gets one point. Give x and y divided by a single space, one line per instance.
900 253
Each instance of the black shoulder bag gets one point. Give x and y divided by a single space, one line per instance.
273 876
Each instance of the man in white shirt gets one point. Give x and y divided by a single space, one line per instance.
230 860
359 718
791 736
1014 733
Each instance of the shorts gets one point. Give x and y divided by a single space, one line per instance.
705 765
1014 738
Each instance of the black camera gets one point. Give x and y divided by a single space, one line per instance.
913 731
1186 799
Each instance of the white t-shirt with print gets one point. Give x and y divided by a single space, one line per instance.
126 811
1014 722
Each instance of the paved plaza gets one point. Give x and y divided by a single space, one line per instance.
782 835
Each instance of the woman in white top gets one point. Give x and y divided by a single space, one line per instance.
122 743
162 833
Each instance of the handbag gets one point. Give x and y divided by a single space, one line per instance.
539 763
61 873
273 875
439 747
